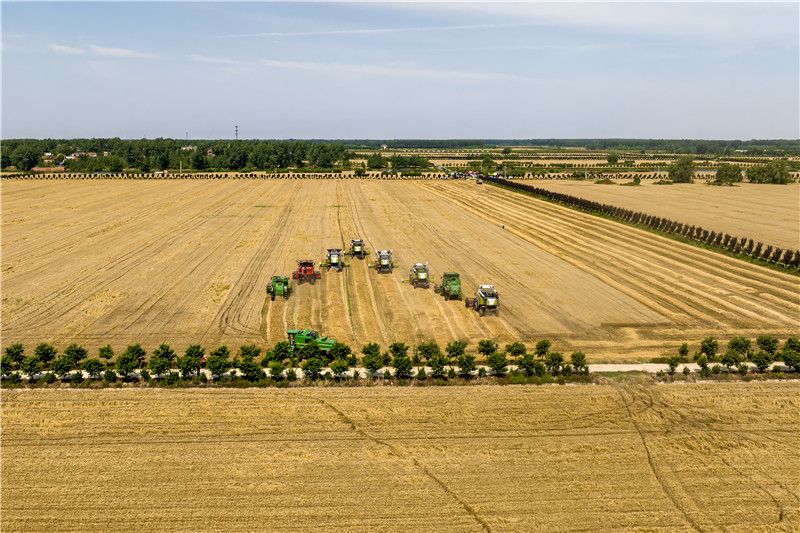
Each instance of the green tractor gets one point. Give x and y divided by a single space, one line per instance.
419 276
334 260
384 262
357 249
279 286
450 288
485 298
299 338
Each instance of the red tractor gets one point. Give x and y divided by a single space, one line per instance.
305 270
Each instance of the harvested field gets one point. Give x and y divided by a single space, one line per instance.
635 457
183 262
767 213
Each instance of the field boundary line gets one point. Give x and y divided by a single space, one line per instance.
668 490
394 451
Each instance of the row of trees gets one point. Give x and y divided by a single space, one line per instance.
775 171
739 246
281 362
739 351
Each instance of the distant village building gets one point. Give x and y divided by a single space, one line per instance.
189 148
384 147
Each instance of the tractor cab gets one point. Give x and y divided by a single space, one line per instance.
384 261
357 248
420 275
334 259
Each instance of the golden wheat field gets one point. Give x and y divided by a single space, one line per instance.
613 457
187 261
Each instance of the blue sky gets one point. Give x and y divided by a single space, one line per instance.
330 70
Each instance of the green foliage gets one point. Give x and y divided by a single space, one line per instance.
742 369
542 347
429 350
702 361
762 360
312 367
192 360
421 375
531 366
250 351
553 362
612 158
728 173
106 352
682 170
792 343
402 366
110 376
486 347
291 375
776 171
481 372
339 367
716 369
396 349
466 363
7 365
437 364
455 350
251 370
376 161
516 350
740 345
218 361
126 363
44 353
76 354
498 362
276 370
686 370
15 353
709 346
768 343
683 351
673 361
372 360
342 351
578 360
791 358
62 366
49 378
162 359
451 373
137 353
731 358
94 367
281 351
705 372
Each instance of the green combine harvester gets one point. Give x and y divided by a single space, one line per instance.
419 276
450 288
334 260
279 286
357 249
299 338
485 299
384 262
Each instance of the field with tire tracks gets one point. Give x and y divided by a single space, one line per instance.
610 457
187 261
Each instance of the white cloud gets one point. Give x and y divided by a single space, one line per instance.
66 49
372 31
120 52
206 59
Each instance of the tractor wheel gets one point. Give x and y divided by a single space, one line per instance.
272 296
481 311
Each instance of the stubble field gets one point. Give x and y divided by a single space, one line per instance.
187 261
632 457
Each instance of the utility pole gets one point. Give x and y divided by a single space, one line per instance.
237 131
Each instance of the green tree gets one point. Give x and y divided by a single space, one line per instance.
682 170
7 365
740 345
31 366
342 351
282 351
45 353
530 365
486 347
437 364
768 343
673 361
376 161
276 369
455 350
311 350
728 173
402 366
709 346
612 158
312 367
791 358
792 343
106 352
249 351
63 366
219 361
251 370
162 359
339 367
429 350
731 358
15 354
762 360
553 361
466 363
373 361
25 157
578 360
94 367
498 362
683 351
126 363
76 354
192 360
516 350
542 347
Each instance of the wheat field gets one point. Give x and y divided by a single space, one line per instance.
609 457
